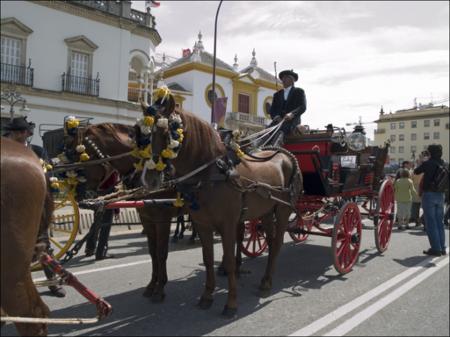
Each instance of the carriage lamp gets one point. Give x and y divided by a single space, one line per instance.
357 139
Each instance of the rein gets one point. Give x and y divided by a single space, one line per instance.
67 167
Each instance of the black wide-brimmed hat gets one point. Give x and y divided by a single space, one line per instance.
288 72
19 124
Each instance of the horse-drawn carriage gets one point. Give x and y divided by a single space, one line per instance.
342 180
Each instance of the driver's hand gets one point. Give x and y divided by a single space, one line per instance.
289 116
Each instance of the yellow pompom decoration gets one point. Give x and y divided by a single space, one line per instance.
55 185
162 92
180 139
180 131
160 166
148 121
178 202
72 181
72 123
239 153
84 156
135 152
168 153
139 166
49 167
145 153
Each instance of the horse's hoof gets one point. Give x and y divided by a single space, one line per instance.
158 297
205 303
229 313
264 292
148 292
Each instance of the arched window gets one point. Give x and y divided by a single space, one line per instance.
266 106
209 96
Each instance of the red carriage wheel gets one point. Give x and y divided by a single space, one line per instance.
384 215
302 223
346 237
254 243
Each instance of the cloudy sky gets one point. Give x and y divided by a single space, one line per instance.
351 57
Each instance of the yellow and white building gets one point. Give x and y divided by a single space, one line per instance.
410 131
249 91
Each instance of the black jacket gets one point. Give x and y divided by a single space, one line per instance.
296 99
428 168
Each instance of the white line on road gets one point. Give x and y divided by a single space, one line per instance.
89 271
360 317
357 302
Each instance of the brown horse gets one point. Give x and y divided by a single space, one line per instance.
25 207
113 139
224 204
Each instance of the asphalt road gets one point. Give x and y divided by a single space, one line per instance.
401 293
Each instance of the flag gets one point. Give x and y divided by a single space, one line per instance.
151 3
186 52
220 107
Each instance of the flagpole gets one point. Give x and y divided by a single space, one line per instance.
214 64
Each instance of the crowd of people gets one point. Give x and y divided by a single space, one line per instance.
424 184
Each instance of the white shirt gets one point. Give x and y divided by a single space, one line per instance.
286 92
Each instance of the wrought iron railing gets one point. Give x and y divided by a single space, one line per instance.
246 118
80 85
17 74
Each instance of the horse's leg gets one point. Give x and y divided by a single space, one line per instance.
183 228
268 223
194 233
206 237
175 234
150 231
229 262
282 216
22 299
240 239
162 251
240 230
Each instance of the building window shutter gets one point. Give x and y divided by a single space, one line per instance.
11 51
244 103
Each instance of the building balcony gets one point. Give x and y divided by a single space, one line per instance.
80 85
245 119
17 74
121 9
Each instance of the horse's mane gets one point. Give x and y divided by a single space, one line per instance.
201 142
114 130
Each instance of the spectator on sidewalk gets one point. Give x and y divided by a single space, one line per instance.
433 201
100 230
404 193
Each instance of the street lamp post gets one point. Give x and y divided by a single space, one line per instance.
214 64
12 97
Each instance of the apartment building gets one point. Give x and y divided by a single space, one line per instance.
410 131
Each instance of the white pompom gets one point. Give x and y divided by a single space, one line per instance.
80 148
150 164
176 118
173 144
163 123
146 130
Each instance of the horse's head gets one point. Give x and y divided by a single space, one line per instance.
164 136
82 144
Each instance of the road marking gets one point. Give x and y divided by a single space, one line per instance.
361 316
357 302
89 271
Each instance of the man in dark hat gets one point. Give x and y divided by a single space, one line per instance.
19 129
288 104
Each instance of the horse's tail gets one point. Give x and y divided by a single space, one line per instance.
296 179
